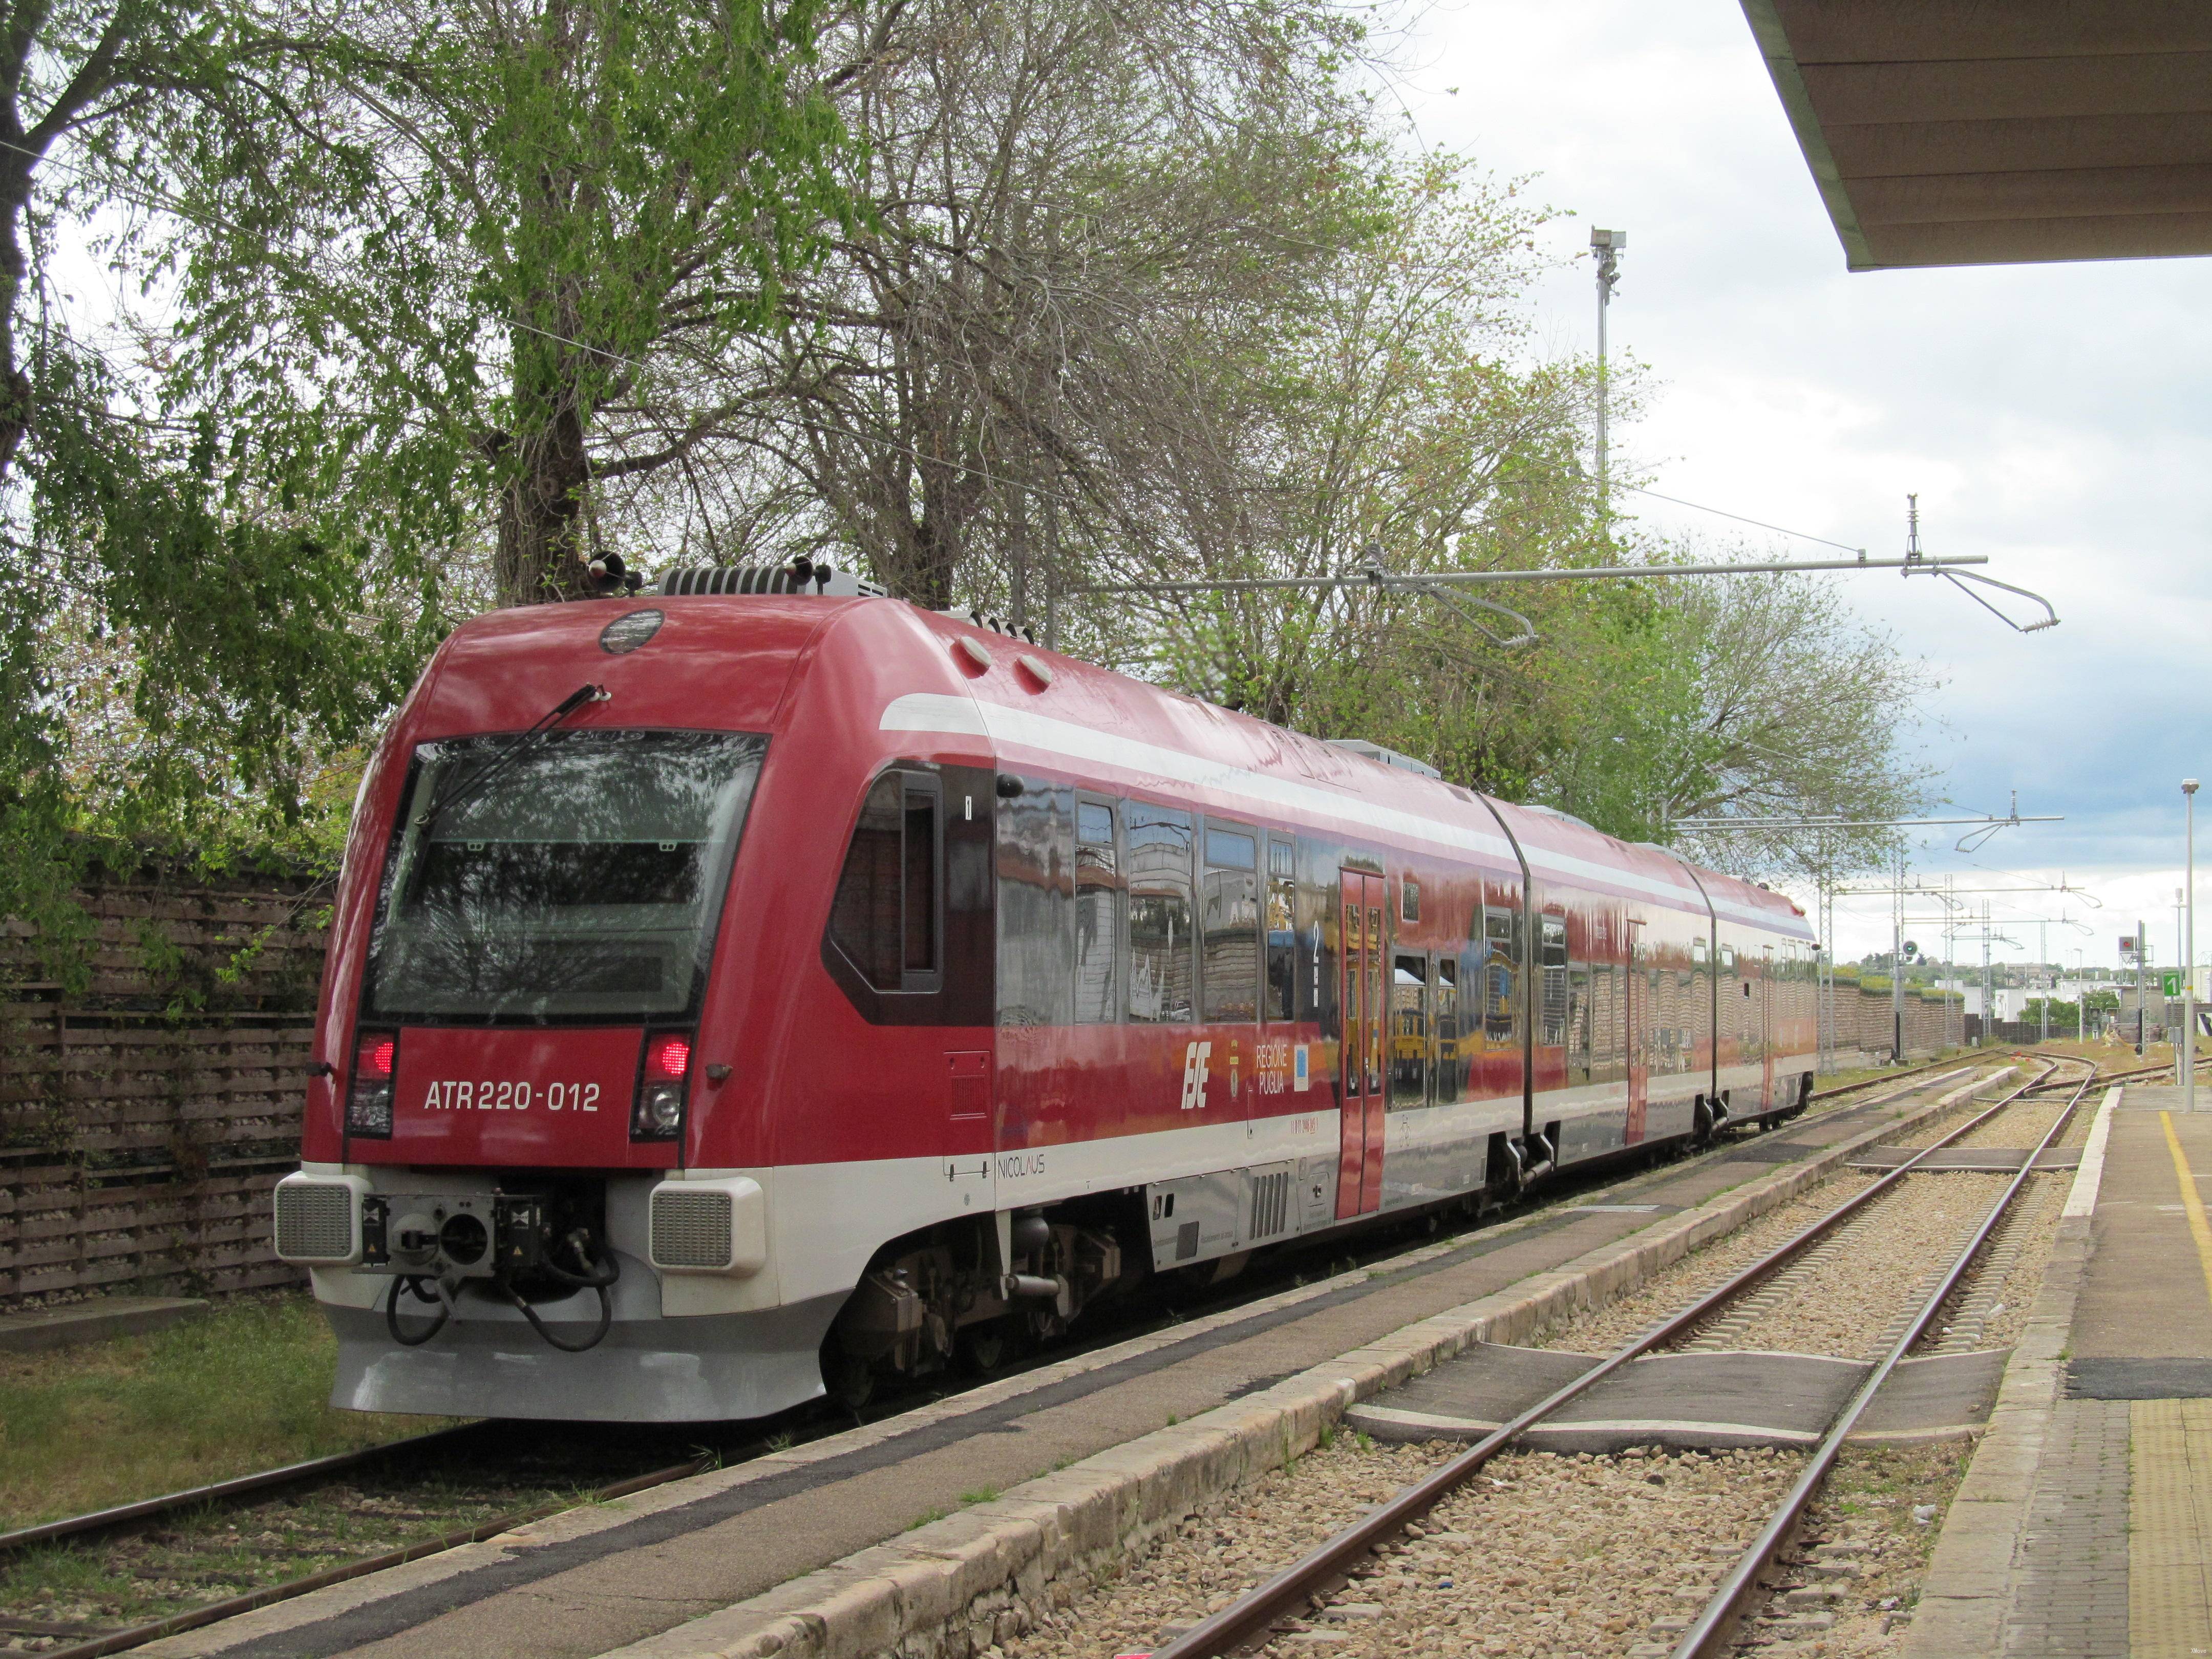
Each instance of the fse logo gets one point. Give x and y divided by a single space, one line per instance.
1195 1059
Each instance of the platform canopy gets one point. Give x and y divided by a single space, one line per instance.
1968 132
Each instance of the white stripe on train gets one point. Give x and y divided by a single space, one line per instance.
969 716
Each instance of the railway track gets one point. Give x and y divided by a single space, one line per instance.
1350 1553
402 1501
2138 1074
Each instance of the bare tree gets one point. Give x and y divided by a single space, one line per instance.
995 380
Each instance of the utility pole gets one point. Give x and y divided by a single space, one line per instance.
2143 939
1897 965
1608 246
2042 951
1951 960
1828 964
2188 948
1989 983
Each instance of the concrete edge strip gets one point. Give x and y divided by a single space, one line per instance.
2082 1197
1969 1578
959 1585
1565 1428
1468 1427
1397 1417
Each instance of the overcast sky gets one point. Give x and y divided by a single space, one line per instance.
2053 417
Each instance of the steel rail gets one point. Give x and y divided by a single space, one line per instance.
1251 1616
1909 1088
2120 1077
289 1474
230 1607
1870 1082
1715 1626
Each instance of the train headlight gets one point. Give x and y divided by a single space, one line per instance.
663 1080
368 1093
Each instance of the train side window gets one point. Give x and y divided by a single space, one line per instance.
886 917
1231 975
1036 834
920 879
1501 976
1409 899
1099 899
1580 1033
1162 954
1280 991
1409 1031
1313 909
1451 1060
1555 981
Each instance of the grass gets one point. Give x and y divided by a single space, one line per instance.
218 1550
2112 1056
1827 1080
241 1390
1881 1485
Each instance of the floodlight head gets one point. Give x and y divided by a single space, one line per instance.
1614 240
2189 785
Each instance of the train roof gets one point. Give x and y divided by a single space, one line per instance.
741 659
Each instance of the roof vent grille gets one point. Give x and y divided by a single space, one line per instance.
995 625
800 576
1376 752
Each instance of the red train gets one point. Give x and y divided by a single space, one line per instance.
762 979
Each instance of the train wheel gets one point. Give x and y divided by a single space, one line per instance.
850 1382
979 1349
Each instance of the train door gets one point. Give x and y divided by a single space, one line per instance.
1636 986
1363 1013
1765 997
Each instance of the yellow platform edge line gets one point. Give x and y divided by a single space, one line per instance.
2192 1205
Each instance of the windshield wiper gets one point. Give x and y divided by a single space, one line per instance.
473 783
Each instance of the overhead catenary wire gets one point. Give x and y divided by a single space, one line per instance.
1759 524
1375 577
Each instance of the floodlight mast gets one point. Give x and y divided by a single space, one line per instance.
2188 1055
1608 246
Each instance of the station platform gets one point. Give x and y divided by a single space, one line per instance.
2083 1529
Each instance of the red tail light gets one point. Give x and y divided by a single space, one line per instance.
657 1114
368 1092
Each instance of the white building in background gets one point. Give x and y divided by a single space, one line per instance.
2011 999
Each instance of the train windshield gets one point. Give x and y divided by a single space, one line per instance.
582 880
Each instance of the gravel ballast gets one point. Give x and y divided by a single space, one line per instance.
1861 1555
1600 1330
1542 1555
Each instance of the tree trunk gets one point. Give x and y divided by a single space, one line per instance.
15 271
543 554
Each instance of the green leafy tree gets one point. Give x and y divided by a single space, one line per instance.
506 245
162 608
